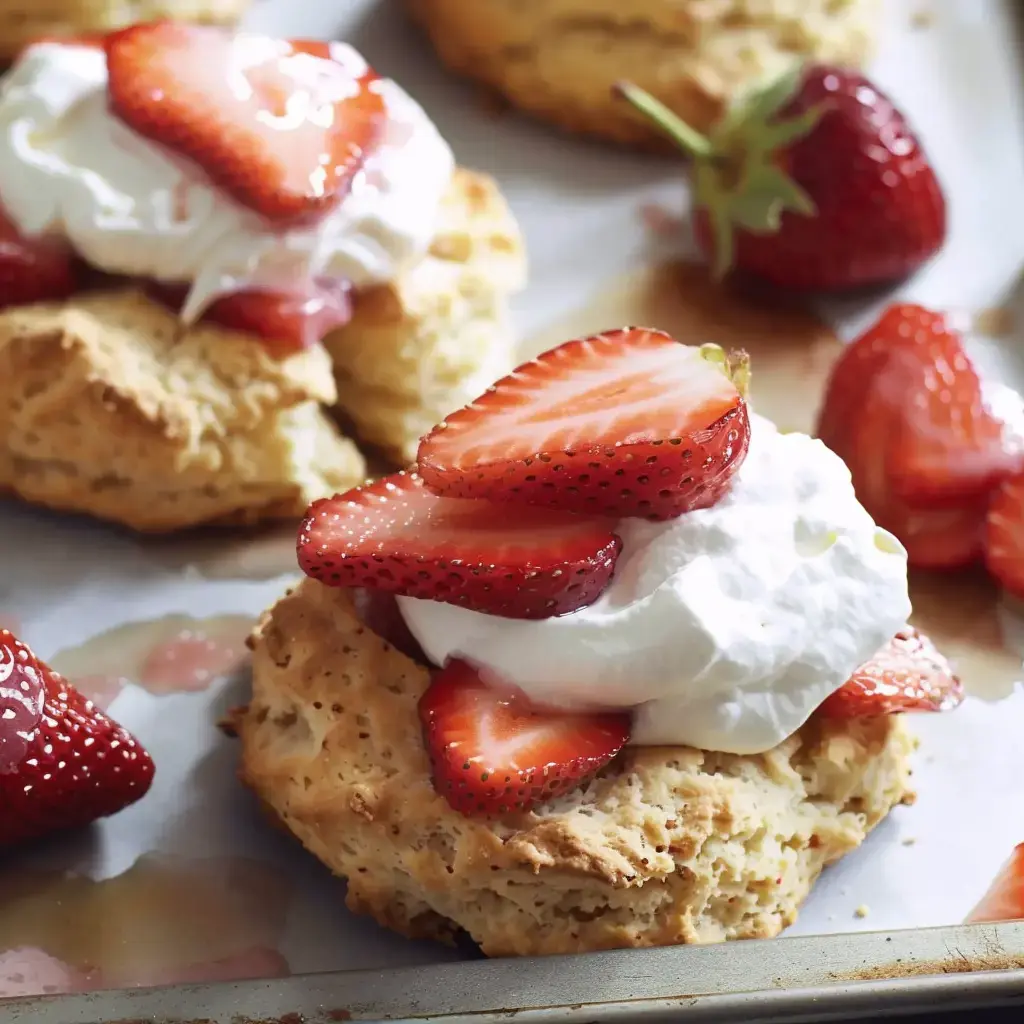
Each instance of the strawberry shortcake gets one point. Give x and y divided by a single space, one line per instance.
616 664
212 244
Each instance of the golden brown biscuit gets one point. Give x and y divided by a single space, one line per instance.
558 59
21 21
430 342
668 845
109 407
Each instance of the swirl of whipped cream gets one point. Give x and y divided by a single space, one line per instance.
70 168
723 629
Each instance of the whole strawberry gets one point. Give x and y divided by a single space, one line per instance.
63 763
815 183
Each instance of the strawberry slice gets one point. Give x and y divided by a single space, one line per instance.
395 535
284 127
63 763
493 752
908 674
625 423
905 409
32 269
1004 900
286 322
1004 536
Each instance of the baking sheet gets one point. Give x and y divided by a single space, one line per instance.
191 884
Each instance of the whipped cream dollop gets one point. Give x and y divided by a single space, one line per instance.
723 629
71 168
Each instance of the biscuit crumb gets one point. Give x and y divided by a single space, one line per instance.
862 911
922 18
909 841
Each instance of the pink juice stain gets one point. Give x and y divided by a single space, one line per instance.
174 654
165 921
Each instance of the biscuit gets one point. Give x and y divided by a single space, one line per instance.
21 21
109 407
558 59
434 339
667 845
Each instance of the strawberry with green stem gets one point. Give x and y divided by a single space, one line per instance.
815 183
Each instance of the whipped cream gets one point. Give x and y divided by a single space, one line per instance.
70 168
723 629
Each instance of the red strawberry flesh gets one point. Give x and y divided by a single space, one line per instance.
1004 536
286 322
63 764
396 535
1004 900
624 423
906 410
283 127
493 753
908 674
32 269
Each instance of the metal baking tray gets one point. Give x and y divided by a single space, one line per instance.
964 96
840 977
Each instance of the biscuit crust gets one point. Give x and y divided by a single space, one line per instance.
21 21
428 343
558 59
669 845
109 407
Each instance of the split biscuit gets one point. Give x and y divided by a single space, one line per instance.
431 341
108 406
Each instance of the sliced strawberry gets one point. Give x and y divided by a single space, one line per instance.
287 323
904 408
63 763
1004 536
908 674
284 127
493 752
395 535
1004 900
625 423
32 269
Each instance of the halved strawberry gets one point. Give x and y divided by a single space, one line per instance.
395 535
1004 900
908 674
625 423
287 323
905 409
1004 536
63 763
284 127
32 269
493 752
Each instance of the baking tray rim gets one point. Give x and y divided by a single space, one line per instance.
840 976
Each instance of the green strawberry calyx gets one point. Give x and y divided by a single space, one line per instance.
737 176
735 365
